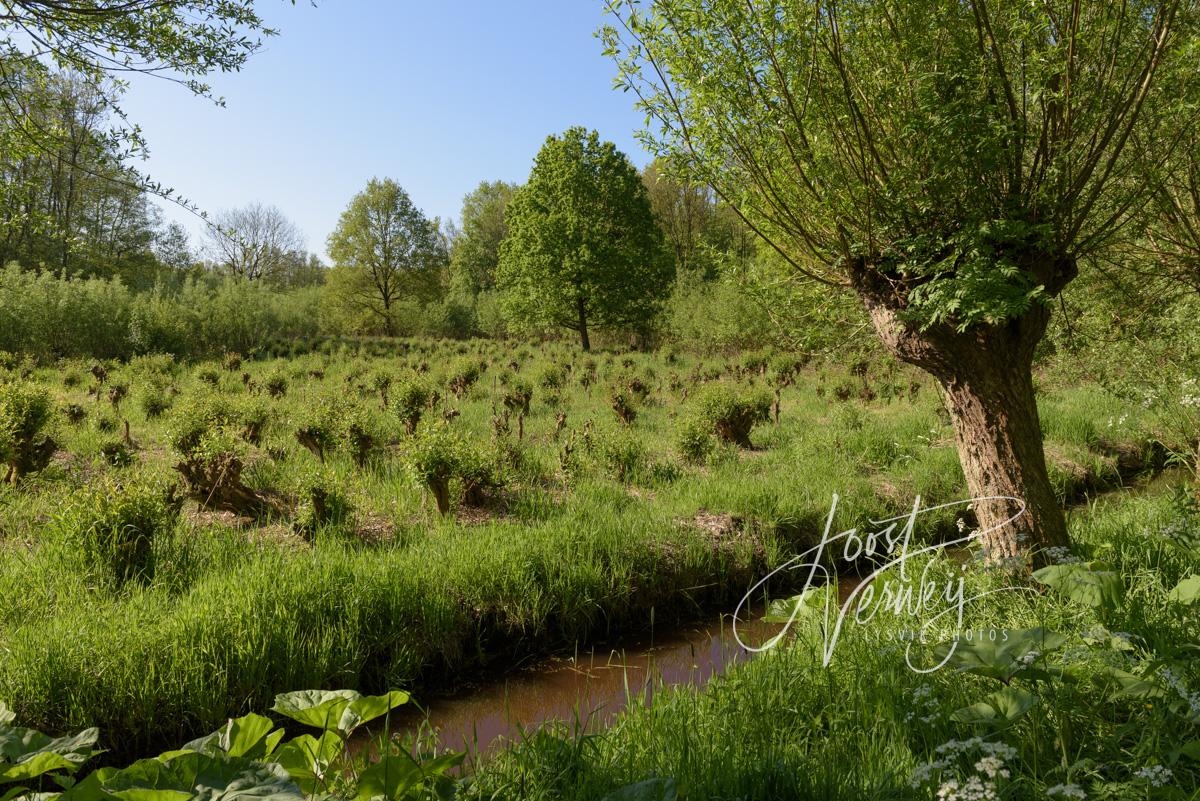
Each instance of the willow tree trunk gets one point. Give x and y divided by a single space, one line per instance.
584 341
986 378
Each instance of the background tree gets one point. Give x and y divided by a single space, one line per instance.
74 206
583 249
951 163
95 40
385 250
256 242
475 254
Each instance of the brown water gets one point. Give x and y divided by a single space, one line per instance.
588 690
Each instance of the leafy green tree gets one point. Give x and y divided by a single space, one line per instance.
583 248
475 254
386 251
951 163
97 40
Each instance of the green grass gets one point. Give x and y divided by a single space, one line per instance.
785 727
397 596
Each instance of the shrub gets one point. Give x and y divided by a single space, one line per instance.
517 396
694 440
153 400
622 454
625 395
410 400
209 433
277 385
25 412
117 524
320 426
552 378
463 375
323 503
441 458
731 414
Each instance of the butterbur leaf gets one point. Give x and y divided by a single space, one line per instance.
390 778
1093 583
26 754
1186 591
369 707
1001 653
648 790
1003 707
1124 684
808 604
252 736
202 777
322 709
307 759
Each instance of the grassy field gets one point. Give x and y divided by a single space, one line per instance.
564 524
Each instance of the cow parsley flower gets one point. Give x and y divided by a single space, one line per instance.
1065 791
1156 775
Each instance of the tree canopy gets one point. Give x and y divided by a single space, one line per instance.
476 250
583 249
385 251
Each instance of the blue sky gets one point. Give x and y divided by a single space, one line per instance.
437 95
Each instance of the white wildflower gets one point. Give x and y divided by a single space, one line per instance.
1065 791
1157 775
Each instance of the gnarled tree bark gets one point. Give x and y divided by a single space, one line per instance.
986 377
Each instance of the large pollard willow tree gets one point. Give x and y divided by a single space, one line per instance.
951 162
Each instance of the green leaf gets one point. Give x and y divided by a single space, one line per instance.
7 716
1003 706
808 604
1124 684
202 777
252 736
1191 749
648 790
26 754
1186 591
369 707
307 759
1091 584
320 708
390 778
999 657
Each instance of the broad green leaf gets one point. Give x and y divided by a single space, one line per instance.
1092 583
1128 685
390 778
1003 706
307 759
7 716
252 736
202 777
320 708
1191 749
367 708
26 754
1186 591
649 790
808 604
13 792
998 654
